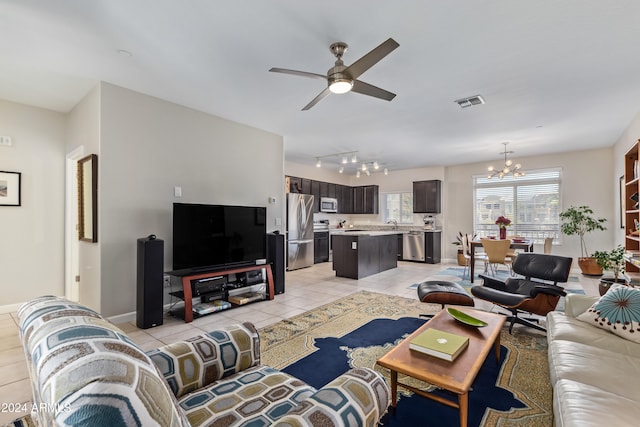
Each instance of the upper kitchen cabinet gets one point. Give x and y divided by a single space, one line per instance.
344 194
298 185
426 196
365 199
315 191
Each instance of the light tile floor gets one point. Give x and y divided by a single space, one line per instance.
304 289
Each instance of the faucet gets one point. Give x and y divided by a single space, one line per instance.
394 222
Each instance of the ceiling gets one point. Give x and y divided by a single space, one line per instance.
556 76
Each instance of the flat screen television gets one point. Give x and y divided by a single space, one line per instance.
217 237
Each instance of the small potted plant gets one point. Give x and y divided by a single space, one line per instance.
458 242
502 223
579 220
613 261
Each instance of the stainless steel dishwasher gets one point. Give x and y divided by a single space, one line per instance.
413 246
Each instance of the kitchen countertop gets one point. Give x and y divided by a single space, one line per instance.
400 229
371 233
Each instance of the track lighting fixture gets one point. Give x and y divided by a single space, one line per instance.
348 160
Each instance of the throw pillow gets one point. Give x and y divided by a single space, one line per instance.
617 311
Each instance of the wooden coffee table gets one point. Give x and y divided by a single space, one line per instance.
456 376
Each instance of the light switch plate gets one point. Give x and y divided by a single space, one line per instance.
6 141
354 245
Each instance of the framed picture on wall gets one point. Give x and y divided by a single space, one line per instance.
88 198
10 188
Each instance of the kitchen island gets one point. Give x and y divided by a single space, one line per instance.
358 254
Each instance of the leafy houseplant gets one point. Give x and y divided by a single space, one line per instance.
612 260
580 220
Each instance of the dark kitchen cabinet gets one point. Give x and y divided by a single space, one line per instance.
315 190
306 185
324 189
332 190
432 247
344 194
365 199
320 247
295 184
426 196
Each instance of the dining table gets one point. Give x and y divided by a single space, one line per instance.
525 244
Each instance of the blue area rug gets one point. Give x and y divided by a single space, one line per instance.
336 355
355 331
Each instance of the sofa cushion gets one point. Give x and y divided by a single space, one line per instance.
617 311
86 371
357 398
577 405
562 327
257 397
199 361
602 368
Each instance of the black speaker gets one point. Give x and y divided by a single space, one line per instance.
149 295
275 257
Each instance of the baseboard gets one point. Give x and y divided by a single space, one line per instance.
10 308
131 316
120 318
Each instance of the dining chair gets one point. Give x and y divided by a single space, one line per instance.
496 254
513 253
548 242
466 253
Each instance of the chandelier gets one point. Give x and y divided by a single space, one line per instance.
508 167
349 159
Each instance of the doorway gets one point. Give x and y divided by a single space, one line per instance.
72 247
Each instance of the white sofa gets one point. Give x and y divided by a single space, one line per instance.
595 374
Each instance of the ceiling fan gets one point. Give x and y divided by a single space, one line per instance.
342 79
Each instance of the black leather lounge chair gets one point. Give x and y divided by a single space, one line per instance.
537 292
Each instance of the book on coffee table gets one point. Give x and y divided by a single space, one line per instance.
443 345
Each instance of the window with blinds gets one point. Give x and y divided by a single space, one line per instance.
531 202
397 207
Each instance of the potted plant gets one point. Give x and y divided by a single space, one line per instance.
580 220
458 242
613 261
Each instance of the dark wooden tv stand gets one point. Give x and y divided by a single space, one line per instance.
187 296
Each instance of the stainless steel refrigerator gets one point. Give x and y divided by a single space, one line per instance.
299 231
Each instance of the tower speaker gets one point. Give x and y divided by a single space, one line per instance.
149 295
275 257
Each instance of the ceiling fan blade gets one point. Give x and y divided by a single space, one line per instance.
371 90
317 99
371 58
299 73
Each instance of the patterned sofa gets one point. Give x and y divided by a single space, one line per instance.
86 372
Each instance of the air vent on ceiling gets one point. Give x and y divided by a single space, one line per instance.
470 101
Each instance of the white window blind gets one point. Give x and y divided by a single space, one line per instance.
531 202
397 207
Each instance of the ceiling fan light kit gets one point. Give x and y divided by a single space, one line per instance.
342 79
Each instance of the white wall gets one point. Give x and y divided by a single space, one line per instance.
32 235
147 147
83 130
586 180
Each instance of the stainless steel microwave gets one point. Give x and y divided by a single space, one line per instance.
328 204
